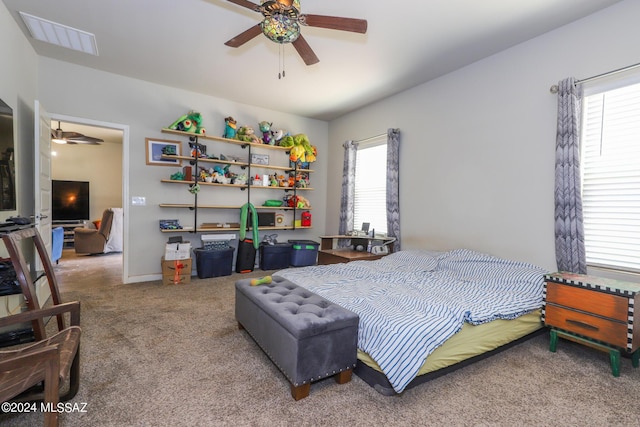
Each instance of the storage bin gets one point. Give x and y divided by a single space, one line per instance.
304 252
214 263
274 257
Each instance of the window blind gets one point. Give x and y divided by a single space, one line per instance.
611 178
370 200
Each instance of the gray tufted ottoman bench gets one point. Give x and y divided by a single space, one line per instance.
306 336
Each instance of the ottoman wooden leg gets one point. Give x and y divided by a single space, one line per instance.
344 376
301 391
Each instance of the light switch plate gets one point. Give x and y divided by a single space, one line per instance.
138 201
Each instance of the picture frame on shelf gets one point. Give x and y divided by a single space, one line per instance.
156 147
260 159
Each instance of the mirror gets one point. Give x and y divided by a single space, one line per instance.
7 165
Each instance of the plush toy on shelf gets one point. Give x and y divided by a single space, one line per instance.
190 122
247 134
267 133
229 128
301 149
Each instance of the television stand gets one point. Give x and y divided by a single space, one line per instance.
68 226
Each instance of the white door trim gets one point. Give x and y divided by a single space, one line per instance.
125 176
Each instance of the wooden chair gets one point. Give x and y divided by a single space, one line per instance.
16 243
51 360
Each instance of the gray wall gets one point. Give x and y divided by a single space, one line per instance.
145 107
477 145
18 88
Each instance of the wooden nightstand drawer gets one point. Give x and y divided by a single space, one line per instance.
599 303
609 331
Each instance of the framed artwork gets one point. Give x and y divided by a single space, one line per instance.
260 159
157 147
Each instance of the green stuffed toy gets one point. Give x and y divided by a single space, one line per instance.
247 134
302 150
191 122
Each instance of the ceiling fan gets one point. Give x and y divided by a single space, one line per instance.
60 137
281 24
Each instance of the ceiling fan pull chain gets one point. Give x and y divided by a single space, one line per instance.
282 49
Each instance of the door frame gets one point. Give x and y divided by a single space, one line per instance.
125 175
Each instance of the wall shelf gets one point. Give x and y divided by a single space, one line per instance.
201 162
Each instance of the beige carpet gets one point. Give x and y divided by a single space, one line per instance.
155 355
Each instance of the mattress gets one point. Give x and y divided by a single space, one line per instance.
471 341
411 303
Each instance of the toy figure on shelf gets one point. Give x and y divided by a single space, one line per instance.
246 134
240 179
301 149
178 176
298 202
229 128
267 134
191 122
278 135
198 150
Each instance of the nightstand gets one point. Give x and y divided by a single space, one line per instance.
593 311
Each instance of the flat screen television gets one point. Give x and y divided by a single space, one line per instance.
69 200
7 166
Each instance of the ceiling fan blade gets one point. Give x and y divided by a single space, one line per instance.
85 140
245 3
305 51
245 36
335 23
72 135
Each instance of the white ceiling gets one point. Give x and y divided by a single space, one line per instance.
181 44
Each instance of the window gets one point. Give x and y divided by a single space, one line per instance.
370 203
611 177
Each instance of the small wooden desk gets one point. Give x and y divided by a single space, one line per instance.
330 255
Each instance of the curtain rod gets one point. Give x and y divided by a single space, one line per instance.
554 88
371 138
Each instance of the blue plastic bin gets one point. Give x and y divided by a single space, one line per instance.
304 252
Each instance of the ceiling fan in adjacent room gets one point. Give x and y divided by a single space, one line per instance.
60 137
281 24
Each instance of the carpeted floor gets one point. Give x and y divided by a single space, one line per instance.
155 355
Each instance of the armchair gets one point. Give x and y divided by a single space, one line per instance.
107 238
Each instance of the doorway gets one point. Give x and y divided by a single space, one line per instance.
103 165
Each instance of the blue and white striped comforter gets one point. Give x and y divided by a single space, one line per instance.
411 302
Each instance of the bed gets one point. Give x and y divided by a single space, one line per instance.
423 313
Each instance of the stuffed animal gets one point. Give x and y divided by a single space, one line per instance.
301 149
267 134
229 128
220 178
190 122
246 134
278 135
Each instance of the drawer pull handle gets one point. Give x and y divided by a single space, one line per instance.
582 324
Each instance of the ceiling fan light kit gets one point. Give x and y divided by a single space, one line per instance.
281 24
